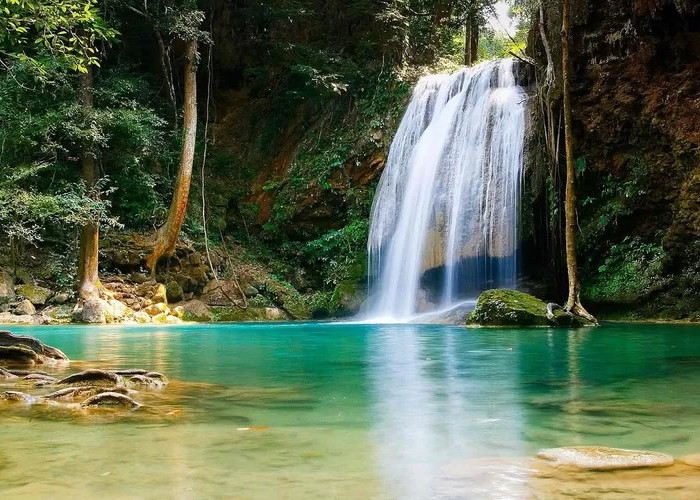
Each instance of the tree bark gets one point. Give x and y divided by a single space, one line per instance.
573 303
471 40
166 237
88 280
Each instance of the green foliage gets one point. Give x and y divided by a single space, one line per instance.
630 270
65 31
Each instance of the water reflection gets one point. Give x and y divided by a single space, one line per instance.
439 398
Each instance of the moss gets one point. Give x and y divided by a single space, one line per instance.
228 313
512 308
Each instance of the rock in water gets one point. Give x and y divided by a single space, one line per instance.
93 377
110 400
5 375
602 458
17 397
8 339
512 308
83 392
18 355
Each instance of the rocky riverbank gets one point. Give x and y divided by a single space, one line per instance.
191 286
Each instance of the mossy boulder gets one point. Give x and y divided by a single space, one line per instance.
513 308
174 292
37 295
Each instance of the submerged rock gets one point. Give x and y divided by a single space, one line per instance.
5 375
147 382
83 392
512 308
17 397
110 400
93 378
603 458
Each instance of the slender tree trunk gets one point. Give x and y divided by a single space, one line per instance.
167 235
573 303
88 279
474 44
471 40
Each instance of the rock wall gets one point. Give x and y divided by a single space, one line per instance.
636 98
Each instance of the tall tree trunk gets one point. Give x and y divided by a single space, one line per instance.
573 303
471 40
167 235
90 233
474 43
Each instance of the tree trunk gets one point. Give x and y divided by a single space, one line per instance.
573 303
167 235
471 40
88 279
474 44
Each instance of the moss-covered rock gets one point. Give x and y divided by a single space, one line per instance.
232 313
174 292
35 294
512 308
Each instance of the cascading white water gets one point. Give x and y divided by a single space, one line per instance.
444 222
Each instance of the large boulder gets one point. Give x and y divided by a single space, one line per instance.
196 310
174 292
9 339
513 308
37 295
97 311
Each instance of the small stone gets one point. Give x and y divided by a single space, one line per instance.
144 382
156 309
603 458
25 307
250 291
60 298
178 311
142 317
160 318
273 313
119 309
172 320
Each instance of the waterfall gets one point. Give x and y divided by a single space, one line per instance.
444 222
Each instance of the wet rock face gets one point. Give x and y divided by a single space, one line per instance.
603 458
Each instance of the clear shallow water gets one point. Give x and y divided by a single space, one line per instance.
353 411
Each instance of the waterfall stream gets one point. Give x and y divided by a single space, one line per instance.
444 222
